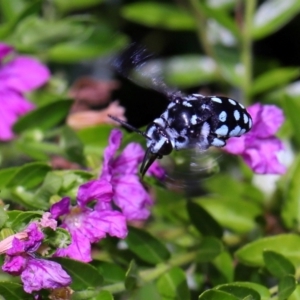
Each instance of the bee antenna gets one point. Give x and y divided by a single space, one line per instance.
129 127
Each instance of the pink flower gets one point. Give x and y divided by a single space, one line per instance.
89 225
36 273
122 172
259 147
19 75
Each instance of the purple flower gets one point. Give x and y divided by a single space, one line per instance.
121 171
87 225
19 75
36 273
259 147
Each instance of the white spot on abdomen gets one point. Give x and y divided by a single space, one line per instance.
223 130
217 142
246 119
236 115
223 116
236 131
232 101
216 99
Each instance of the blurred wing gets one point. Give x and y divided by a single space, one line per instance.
186 169
137 64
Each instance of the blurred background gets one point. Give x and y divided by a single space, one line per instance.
198 47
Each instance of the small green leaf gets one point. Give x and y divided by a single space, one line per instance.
224 264
29 175
72 145
71 5
158 15
111 272
292 110
272 15
189 70
235 214
295 295
173 285
44 117
274 79
131 277
13 291
146 247
104 295
286 286
286 244
239 291
216 295
209 249
18 220
277 264
83 275
6 175
262 290
203 221
3 216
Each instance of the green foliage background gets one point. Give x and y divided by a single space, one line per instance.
230 241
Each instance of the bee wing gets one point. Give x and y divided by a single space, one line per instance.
139 65
186 169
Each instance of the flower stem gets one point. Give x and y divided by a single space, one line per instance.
246 53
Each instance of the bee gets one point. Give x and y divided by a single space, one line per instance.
189 120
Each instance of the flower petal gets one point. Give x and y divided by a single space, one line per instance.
44 274
79 249
236 145
24 74
127 162
156 170
131 197
5 50
262 156
60 208
94 190
12 105
35 237
114 143
14 265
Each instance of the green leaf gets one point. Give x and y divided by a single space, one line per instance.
45 117
292 110
11 9
235 214
224 264
173 285
239 291
83 275
203 221
3 216
286 244
6 175
286 286
209 249
131 277
65 6
146 247
277 264
189 70
72 145
158 15
216 295
147 291
100 42
273 79
111 272
104 295
260 289
51 186
295 295
29 175
272 15
221 16
96 136
18 220
13 291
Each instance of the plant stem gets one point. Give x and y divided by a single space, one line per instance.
151 274
246 53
